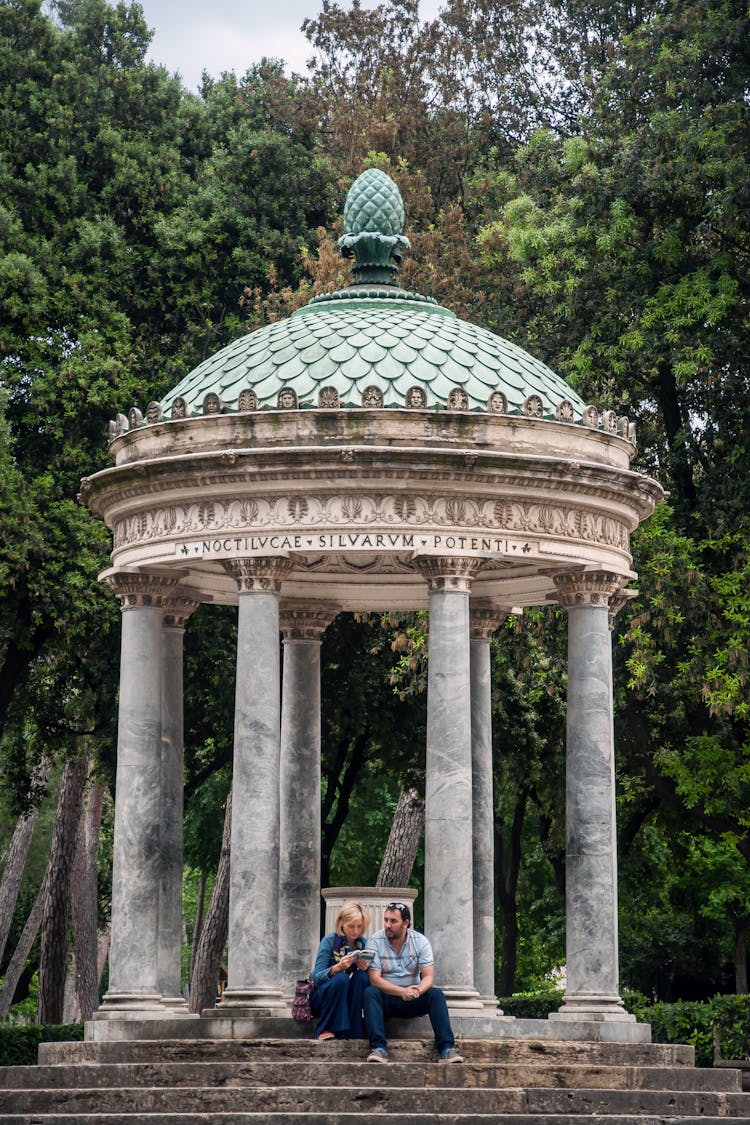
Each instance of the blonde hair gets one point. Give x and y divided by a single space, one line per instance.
351 912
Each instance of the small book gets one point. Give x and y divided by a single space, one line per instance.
365 954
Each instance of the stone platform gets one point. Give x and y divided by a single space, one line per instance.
232 1081
259 1023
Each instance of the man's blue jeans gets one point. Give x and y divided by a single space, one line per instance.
379 1007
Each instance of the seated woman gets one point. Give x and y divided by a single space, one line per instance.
340 976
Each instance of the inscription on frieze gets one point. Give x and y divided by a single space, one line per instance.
248 545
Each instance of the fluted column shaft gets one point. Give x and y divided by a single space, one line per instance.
253 977
484 620
176 612
299 792
134 982
591 846
449 912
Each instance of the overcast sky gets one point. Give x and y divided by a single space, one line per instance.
191 36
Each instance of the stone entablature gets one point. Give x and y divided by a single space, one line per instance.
521 497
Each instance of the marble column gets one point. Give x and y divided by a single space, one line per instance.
253 978
449 911
177 609
484 619
299 791
134 984
592 990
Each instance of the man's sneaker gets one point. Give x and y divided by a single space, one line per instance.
377 1054
450 1055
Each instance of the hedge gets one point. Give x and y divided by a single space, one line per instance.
19 1043
723 1019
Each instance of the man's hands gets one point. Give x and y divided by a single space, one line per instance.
410 993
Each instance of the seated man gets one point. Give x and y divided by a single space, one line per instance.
401 976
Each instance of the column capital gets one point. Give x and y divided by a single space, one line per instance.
265 574
177 609
303 622
484 619
448 573
590 588
141 589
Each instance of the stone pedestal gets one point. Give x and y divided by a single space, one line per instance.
591 848
374 898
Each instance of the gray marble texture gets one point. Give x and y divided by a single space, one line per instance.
136 871
299 812
483 840
171 827
591 851
449 922
253 978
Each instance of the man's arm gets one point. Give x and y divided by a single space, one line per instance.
409 993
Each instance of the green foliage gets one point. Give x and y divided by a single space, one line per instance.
730 1017
19 1043
683 1022
532 1005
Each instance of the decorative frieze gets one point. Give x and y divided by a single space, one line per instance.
370 511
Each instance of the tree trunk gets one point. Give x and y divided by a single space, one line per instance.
22 950
54 952
102 953
403 841
205 979
198 927
84 904
15 862
507 870
740 955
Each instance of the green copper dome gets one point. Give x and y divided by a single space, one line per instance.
372 345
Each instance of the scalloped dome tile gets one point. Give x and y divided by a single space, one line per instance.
342 351
391 342
355 368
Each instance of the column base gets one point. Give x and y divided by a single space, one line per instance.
594 1009
128 1005
489 1006
253 1001
175 1005
465 1000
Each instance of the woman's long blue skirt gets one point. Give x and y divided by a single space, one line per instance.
337 1003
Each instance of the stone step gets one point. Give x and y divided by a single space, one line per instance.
317 1118
323 1071
474 1050
375 1100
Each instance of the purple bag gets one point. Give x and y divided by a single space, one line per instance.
301 1010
